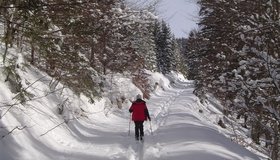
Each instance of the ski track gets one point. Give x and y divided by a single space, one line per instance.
160 115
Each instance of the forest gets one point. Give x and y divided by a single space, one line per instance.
78 42
233 55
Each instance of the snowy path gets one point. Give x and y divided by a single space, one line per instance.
180 132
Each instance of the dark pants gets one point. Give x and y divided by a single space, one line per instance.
139 129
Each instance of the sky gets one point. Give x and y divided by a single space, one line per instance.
181 15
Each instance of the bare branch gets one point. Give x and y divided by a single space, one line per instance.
53 128
10 132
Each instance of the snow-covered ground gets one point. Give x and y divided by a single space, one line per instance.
101 131
183 133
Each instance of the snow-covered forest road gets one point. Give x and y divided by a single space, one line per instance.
178 131
181 133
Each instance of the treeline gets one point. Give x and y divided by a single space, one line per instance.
78 41
234 56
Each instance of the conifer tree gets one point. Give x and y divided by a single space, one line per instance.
238 61
157 39
164 47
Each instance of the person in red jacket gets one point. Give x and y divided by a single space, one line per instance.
140 114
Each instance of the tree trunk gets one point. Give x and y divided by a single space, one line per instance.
92 55
255 132
32 54
7 40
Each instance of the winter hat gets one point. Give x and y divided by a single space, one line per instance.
138 96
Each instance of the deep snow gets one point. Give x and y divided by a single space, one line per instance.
101 131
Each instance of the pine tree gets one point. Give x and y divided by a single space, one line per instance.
157 39
164 47
182 66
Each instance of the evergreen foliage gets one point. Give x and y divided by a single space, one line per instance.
168 54
235 57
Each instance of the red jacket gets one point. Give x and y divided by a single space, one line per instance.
139 111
